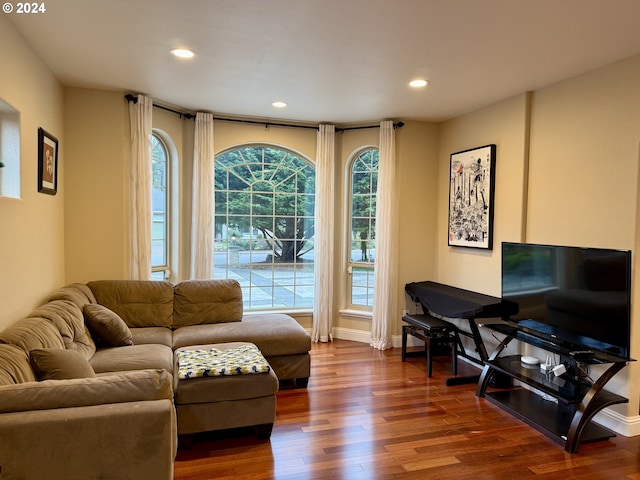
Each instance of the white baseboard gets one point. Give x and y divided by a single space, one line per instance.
348 334
625 426
352 334
365 337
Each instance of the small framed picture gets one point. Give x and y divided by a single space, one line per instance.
471 189
47 162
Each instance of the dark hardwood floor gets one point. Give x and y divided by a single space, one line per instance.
368 415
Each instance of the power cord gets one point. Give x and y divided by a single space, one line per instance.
582 372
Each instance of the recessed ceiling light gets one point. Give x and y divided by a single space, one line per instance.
279 104
182 53
418 83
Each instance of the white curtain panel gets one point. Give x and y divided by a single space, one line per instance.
385 272
140 114
203 199
324 234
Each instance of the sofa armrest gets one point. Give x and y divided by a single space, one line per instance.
131 440
130 386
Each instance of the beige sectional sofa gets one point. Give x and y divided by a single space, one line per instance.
89 385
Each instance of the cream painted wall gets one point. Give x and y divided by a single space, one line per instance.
567 173
186 181
504 124
634 369
96 123
584 159
98 210
418 177
231 134
584 177
32 254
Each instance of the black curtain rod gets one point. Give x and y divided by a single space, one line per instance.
395 125
134 99
265 123
189 116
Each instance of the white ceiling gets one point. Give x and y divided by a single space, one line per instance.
339 61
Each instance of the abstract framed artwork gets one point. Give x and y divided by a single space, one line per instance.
471 191
47 162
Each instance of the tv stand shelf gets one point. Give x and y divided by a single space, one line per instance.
565 410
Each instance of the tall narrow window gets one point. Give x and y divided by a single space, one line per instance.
363 187
159 205
9 151
264 207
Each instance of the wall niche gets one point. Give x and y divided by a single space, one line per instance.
9 151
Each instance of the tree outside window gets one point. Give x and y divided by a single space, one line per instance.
264 226
363 188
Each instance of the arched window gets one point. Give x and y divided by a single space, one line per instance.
160 209
264 207
363 175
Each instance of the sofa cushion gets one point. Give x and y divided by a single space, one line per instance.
107 326
57 364
159 335
14 366
199 302
32 333
134 357
78 293
68 319
139 303
273 333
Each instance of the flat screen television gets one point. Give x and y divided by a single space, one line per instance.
578 298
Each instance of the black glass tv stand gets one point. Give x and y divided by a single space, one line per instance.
564 405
